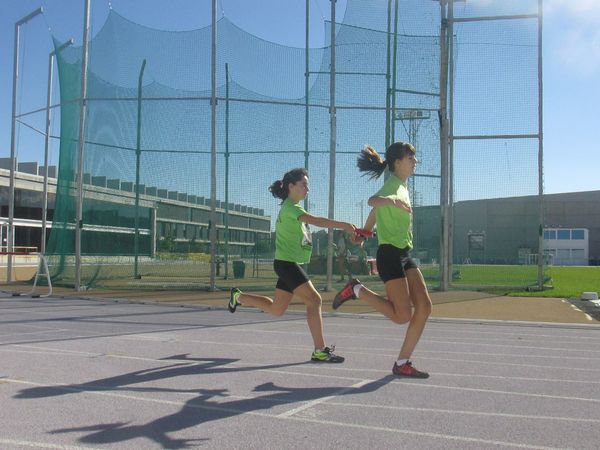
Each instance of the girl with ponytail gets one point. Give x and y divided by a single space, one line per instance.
293 247
407 297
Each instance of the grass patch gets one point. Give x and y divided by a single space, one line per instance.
565 281
568 282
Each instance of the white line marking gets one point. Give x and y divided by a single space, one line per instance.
44 445
298 419
425 339
19 334
58 350
508 355
420 355
425 434
468 413
312 403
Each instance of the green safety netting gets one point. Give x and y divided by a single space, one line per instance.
147 169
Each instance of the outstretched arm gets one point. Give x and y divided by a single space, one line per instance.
324 222
371 220
376 201
357 239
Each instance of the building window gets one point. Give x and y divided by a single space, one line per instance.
564 235
550 234
577 234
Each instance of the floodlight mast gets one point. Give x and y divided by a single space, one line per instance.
443 117
213 151
332 149
13 144
82 114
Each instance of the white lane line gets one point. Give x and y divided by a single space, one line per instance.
20 333
236 411
424 339
397 381
448 437
467 413
45 445
366 352
482 331
43 327
58 350
308 374
510 355
443 329
435 410
499 392
317 401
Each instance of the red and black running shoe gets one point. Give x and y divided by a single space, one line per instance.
347 293
407 370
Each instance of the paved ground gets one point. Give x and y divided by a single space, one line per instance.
452 304
81 373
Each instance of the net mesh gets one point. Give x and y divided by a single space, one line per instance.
147 169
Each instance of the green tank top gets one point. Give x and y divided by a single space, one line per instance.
394 225
293 241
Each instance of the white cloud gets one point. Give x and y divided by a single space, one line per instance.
575 28
587 9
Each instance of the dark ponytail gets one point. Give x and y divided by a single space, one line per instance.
280 188
370 162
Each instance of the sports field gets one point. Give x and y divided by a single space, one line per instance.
561 281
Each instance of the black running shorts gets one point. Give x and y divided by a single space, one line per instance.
290 274
393 262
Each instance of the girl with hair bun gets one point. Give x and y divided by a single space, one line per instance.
407 297
293 246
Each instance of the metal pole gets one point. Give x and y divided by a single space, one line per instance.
394 72
138 155
213 150
306 86
47 141
332 145
540 151
450 134
388 115
443 149
227 169
13 145
82 113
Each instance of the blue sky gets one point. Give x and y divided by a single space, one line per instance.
571 64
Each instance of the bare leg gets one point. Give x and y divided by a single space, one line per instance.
276 307
312 299
422 309
398 308
309 296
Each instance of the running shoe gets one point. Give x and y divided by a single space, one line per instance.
347 293
407 370
233 303
326 355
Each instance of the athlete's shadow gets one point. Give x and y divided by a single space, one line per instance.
183 366
207 408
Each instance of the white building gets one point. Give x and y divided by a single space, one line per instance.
567 246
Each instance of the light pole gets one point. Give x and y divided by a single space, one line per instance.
13 132
81 145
